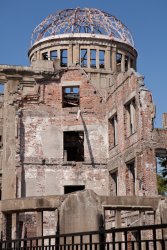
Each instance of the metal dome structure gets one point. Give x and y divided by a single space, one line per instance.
87 20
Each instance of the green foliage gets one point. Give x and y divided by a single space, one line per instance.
163 164
161 176
162 184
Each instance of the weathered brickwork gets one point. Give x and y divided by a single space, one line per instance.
68 126
133 146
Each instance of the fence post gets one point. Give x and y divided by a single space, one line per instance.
102 238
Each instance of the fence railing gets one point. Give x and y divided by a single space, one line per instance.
152 237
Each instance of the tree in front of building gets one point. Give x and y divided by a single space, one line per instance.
162 176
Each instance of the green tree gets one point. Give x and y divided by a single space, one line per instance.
162 176
163 164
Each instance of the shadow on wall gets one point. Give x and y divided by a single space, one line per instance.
88 141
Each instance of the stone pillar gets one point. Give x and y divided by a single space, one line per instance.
9 140
108 58
39 224
58 54
113 56
129 62
97 58
118 224
123 63
14 225
38 55
39 217
88 58
70 55
76 54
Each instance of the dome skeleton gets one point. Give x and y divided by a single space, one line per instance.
89 21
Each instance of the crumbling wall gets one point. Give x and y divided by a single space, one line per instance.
34 155
42 123
9 140
132 103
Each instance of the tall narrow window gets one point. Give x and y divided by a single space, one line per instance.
74 146
130 118
83 58
101 59
45 56
70 96
126 63
114 183
93 58
1 141
53 55
131 63
63 57
113 133
130 179
118 61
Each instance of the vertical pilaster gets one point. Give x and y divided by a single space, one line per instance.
88 58
118 224
97 58
14 225
108 58
9 140
39 223
113 56
129 63
76 55
70 55
123 63
39 55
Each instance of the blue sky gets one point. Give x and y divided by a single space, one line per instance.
146 19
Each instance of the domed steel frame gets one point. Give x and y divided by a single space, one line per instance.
87 20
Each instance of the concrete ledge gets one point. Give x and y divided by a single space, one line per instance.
52 202
31 204
132 202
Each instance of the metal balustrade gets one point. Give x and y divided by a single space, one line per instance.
152 237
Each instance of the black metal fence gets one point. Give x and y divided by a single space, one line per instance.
129 238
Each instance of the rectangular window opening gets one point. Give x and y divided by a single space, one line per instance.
83 58
93 58
71 189
45 56
114 183
53 55
73 146
63 57
130 118
70 96
1 89
113 133
131 63
101 59
126 63
130 178
118 61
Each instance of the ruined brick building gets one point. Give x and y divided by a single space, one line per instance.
79 117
